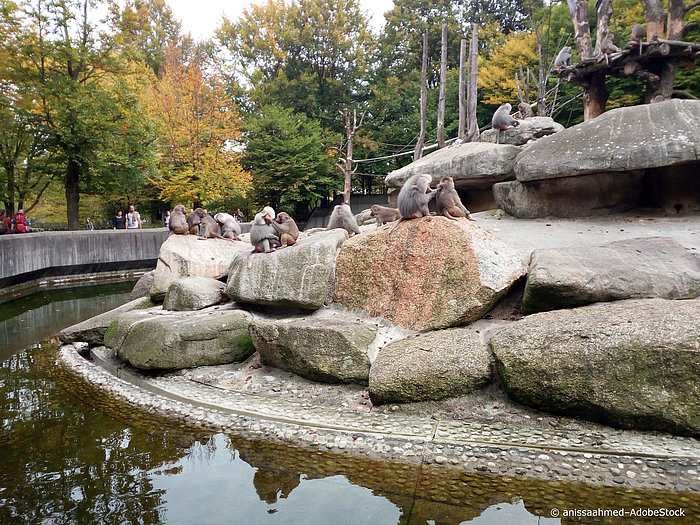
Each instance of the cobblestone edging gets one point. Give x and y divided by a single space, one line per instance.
609 458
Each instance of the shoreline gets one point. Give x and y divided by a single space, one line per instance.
596 456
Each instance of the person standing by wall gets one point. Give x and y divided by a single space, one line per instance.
119 221
133 219
5 223
166 218
20 221
89 225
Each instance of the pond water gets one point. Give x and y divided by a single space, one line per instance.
70 454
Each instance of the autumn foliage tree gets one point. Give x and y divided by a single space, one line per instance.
199 133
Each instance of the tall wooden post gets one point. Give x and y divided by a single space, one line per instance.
443 89
346 166
423 100
462 101
472 124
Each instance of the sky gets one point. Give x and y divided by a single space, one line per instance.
201 17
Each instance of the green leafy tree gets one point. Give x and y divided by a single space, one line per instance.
313 56
290 168
88 109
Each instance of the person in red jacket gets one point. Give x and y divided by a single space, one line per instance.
5 223
20 221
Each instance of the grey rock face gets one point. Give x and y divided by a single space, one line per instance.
631 364
532 128
187 255
471 165
595 194
329 350
160 339
430 367
297 276
142 288
194 293
92 330
623 139
637 268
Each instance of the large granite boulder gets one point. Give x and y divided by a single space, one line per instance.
529 129
92 330
471 165
622 139
333 350
632 364
430 367
595 194
194 293
430 273
188 255
630 269
142 288
160 339
298 276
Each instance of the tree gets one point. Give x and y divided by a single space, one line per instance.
290 168
312 56
59 59
199 132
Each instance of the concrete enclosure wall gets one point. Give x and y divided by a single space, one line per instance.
30 256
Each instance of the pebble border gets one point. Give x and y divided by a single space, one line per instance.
644 461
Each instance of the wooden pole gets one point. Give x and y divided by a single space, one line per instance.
443 89
462 101
423 100
473 125
346 166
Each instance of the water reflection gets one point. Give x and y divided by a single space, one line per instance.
71 454
30 319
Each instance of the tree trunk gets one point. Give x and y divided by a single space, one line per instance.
10 202
595 96
472 124
443 89
603 13
423 100
73 194
579 16
462 102
674 25
654 15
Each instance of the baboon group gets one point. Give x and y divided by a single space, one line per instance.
270 231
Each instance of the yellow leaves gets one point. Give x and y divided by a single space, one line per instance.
497 74
199 127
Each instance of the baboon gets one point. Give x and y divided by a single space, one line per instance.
525 110
448 202
178 222
563 58
502 119
342 217
263 236
414 197
384 214
229 227
193 221
287 229
639 33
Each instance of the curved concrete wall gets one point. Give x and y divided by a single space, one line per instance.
30 256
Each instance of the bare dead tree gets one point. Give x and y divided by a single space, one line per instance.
423 100
472 124
462 101
345 165
443 90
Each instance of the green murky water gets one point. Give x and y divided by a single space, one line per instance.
70 454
